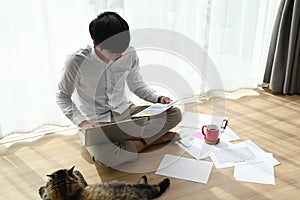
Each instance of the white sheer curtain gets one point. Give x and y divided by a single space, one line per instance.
235 33
36 36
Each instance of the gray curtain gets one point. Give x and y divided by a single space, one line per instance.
283 63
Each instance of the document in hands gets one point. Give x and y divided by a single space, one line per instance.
155 109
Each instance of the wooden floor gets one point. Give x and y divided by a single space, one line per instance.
270 121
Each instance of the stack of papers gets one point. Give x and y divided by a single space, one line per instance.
250 162
262 172
233 156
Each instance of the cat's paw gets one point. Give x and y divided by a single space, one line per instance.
43 193
166 181
163 185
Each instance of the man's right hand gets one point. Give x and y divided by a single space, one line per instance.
86 125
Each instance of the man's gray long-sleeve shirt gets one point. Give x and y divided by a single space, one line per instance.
90 88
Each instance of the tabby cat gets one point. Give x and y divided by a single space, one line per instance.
67 184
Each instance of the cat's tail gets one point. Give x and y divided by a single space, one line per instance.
163 186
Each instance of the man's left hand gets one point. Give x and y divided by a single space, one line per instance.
165 100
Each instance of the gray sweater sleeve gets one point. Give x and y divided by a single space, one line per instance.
66 86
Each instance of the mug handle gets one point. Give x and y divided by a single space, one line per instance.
203 130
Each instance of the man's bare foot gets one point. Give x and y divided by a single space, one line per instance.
169 136
140 146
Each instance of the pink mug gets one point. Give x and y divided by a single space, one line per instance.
211 133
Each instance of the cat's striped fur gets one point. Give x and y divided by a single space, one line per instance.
67 184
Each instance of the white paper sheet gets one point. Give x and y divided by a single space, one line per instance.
234 156
185 168
259 153
195 149
190 119
200 150
155 109
257 173
197 120
229 135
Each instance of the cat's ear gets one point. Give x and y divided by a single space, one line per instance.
70 171
51 176
143 180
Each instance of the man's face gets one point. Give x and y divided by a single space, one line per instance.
110 56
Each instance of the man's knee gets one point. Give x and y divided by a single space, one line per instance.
175 116
112 155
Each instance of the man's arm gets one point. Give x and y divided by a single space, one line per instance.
138 86
66 87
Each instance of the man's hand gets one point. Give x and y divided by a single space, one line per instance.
165 100
85 125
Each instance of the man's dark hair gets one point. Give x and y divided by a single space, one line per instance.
110 31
